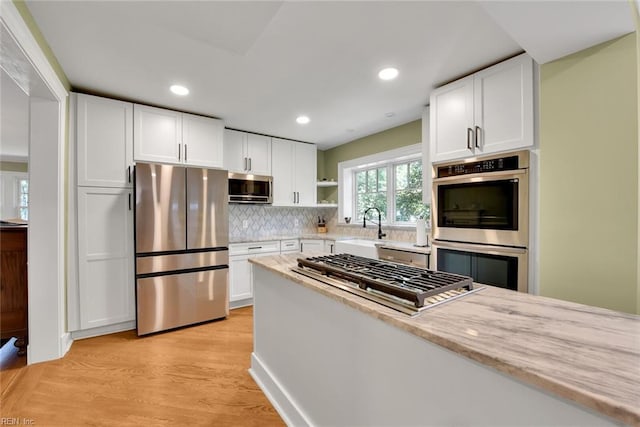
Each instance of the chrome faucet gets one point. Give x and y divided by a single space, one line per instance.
364 223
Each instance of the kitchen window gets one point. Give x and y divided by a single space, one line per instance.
14 195
390 181
23 201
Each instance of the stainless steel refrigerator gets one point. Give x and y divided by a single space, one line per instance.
181 239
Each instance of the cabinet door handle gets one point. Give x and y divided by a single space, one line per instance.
185 153
294 197
129 173
301 247
249 163
469 138
246 164
255 247
129 201
477 136
179 151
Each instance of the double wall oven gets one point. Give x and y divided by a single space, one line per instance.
481 219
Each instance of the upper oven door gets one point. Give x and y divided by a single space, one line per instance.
489 208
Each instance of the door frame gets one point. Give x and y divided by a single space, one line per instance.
25 62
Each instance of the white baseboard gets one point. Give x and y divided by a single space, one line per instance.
240 303
279 398
103 330
65 342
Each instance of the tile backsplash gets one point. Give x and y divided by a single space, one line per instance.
264 221
270 221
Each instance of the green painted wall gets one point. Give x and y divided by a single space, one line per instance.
589 176
14 167
407 134
42 42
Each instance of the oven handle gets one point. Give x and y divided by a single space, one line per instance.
483 176
487 249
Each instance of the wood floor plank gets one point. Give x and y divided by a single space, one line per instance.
192 376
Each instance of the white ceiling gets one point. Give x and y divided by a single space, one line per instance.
258 65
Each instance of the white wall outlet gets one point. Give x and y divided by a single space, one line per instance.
245 224
296 222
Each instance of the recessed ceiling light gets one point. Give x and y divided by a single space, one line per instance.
303 120
388 74
179 90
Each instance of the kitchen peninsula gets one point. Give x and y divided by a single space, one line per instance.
497 357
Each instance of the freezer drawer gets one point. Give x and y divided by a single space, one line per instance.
171 301
182 261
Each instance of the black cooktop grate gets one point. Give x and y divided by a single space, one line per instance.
409 283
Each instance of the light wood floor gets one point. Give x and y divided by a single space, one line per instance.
192 376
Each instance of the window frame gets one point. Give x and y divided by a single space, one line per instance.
388 159
10 192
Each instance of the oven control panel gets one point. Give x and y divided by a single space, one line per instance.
479 166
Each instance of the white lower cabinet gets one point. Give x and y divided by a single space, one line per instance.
312 245
240 278
289 245
330 246
105 288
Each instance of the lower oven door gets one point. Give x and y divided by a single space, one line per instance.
501 266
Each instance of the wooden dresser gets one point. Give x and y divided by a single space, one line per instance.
13 285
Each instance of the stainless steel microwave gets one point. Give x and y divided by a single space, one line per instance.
253 189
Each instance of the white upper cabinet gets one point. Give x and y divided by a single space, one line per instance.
503 112
167 136
202 139
294 173
158 135
247 152
104 141
488 112
451 119
282 158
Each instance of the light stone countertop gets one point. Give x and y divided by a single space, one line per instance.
404 246
586 354
317 236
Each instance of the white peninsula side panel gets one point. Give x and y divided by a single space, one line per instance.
321 362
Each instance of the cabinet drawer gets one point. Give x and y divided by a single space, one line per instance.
290 245
254 247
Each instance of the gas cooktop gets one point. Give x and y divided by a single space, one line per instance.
404 288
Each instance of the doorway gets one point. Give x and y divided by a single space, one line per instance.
23 61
